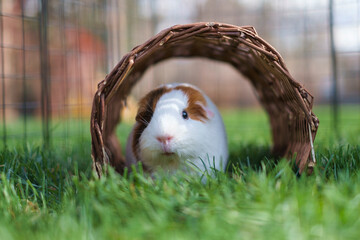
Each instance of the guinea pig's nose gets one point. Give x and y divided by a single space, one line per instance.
164 139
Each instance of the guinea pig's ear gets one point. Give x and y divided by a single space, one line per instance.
148 103
210 114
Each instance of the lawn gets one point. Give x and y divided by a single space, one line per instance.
53 194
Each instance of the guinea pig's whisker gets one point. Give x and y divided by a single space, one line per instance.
149 107
143 120
150 111
145 123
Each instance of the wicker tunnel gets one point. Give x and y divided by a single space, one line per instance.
285 100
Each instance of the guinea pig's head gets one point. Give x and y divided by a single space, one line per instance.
172 126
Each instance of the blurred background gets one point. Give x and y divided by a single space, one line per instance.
53 53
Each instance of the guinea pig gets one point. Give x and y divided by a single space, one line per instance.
176 124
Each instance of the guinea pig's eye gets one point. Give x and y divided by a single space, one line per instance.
185 115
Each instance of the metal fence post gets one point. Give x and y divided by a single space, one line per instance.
4 137
335 95
45 69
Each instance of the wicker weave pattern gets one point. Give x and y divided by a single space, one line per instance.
287 103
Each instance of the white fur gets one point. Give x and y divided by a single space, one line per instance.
203 144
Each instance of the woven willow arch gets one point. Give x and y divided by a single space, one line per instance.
285 100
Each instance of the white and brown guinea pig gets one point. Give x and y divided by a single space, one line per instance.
175 124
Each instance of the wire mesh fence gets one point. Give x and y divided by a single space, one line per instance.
53 53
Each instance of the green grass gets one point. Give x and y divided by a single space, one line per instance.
55 195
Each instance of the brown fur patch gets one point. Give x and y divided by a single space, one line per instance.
145 112
196 103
